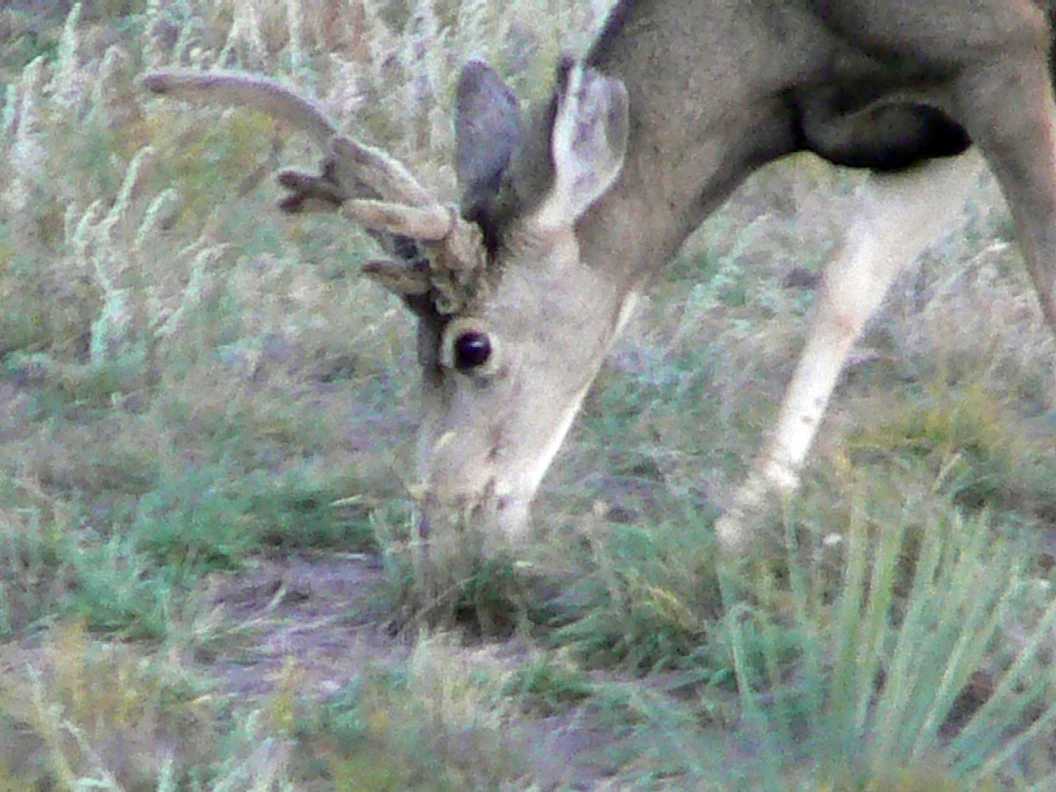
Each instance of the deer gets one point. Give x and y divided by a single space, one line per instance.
568 210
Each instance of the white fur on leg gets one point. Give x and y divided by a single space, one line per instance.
897 217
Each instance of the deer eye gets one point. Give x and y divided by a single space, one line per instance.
472 349
468 347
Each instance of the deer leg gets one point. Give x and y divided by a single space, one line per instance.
898 215
1009 111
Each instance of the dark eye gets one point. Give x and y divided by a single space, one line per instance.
472 349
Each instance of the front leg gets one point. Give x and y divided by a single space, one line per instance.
898 216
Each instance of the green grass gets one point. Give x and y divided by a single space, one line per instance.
209 573
903 650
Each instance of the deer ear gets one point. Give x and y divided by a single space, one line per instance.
488 129
588 142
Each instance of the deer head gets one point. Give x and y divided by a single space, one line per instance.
512 321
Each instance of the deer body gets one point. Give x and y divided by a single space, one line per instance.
719 88
569 216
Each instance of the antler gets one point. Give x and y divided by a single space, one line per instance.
363 183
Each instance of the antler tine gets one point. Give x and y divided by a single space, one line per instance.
233 88
385 174
309 192
426 224
354 161
408 209
387 222
364 183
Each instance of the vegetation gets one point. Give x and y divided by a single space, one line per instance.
208 576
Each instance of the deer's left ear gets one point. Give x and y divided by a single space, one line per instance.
588 143
488 129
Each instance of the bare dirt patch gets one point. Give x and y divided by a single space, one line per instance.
315 611
320 612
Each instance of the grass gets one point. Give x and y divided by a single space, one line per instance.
209 577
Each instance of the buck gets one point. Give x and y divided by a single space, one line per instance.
566 215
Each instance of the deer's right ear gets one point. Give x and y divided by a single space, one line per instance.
488 129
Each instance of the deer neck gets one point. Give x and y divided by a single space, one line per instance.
675 174
695 132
